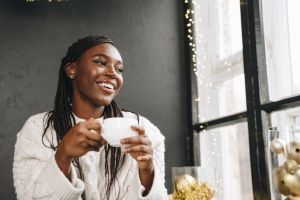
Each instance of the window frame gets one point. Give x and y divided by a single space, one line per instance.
257 114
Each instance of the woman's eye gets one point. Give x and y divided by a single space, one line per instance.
120 70
100 62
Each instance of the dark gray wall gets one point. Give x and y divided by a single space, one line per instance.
149 34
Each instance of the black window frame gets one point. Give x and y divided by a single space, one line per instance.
257 114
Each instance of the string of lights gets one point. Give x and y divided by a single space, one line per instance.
194 37
216 64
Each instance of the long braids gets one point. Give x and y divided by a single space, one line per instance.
116 158
62 119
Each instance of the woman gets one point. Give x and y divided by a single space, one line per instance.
62 155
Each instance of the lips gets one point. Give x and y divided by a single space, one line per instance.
107 86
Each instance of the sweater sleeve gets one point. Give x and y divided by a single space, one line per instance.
35 172
158 189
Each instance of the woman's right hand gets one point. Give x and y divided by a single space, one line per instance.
83 137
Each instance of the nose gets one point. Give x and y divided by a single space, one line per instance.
111 71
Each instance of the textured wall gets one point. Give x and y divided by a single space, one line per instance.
149 35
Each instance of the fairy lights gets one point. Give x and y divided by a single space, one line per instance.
199 59
210 70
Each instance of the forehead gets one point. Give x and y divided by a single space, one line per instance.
105 49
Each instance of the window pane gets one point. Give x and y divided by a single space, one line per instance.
219 61
286 122
289 117
227 149
281 33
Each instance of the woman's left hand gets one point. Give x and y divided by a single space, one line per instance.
140 148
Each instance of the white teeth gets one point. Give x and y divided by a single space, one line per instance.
107 85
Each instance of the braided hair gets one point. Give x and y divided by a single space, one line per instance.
61 118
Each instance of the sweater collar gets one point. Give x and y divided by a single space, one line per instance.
78 119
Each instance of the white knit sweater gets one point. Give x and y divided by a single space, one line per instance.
37 176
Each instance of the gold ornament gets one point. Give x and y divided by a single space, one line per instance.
278 146
286 178
292 198
294 151
183 182
188 188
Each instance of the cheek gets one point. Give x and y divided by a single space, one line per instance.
120 82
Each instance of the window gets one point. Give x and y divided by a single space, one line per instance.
245 67
221 91
219 60
226 149
280 19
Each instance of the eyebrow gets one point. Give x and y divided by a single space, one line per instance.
100 54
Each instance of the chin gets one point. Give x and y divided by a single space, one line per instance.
103 102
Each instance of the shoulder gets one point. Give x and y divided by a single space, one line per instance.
36 121
34 124
151 130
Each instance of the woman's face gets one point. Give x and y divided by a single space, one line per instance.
98 75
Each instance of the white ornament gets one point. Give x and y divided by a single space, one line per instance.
278 146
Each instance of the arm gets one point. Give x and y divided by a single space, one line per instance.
35 172
149 185
140 148
158 190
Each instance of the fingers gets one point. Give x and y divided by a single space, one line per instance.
144 149
92 135
140 130
92 130
140 139
93 145
145 158
142 153
139 147
136 140
93 124
96 136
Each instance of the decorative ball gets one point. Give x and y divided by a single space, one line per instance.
292 198
286 178
183 182
188 188
294 151
278 146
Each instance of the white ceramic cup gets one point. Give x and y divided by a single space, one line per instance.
116 128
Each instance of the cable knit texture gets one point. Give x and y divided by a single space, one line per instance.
37 176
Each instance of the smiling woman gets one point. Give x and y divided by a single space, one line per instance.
97 77
62 155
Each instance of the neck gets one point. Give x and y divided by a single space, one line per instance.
86 111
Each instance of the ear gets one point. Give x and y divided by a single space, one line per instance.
70 69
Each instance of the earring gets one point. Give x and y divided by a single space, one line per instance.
71 76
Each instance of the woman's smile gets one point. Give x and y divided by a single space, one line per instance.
107 86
